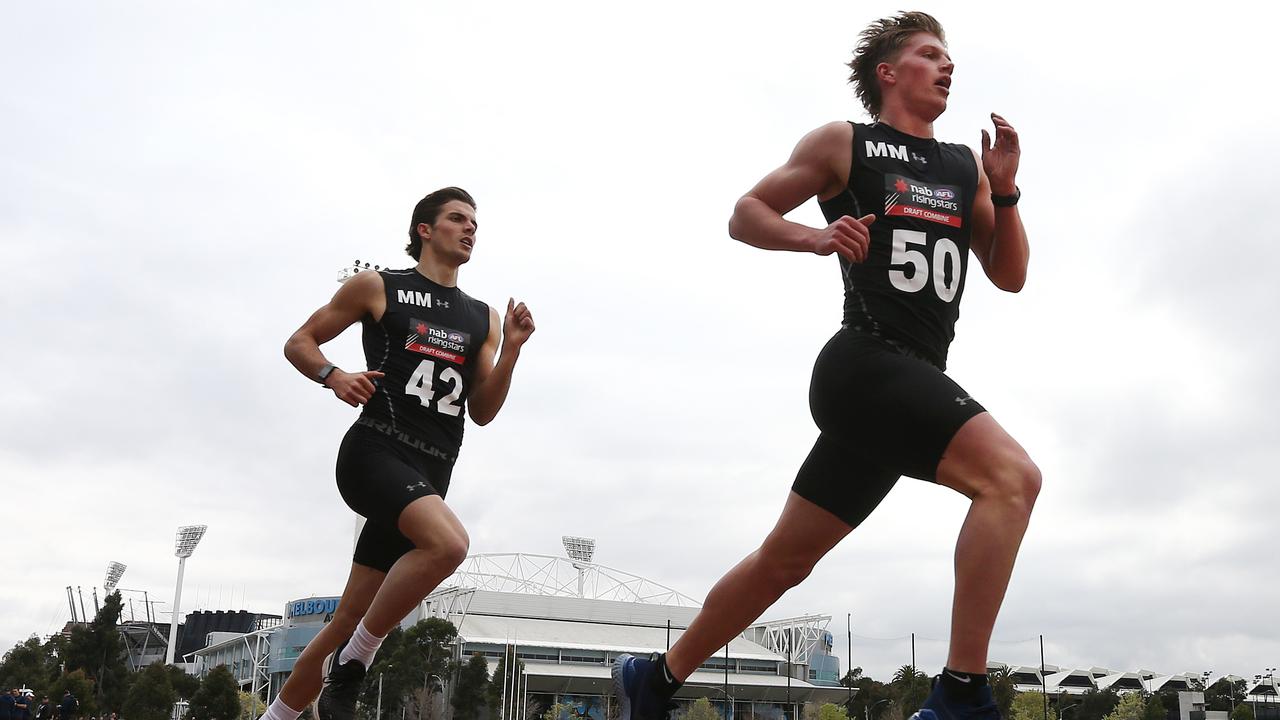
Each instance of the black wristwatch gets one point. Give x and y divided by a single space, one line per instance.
1007 200
325 372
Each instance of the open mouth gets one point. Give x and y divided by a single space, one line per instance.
944 83
469 242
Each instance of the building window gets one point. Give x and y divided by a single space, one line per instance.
597 660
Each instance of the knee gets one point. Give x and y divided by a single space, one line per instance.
782 571
452 551
1017 480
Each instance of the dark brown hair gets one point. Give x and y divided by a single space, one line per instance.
428 210
880 42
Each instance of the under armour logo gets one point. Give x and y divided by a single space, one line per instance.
420 485
920 159
962 401
442 303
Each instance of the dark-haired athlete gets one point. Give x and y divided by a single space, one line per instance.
905 211
430 350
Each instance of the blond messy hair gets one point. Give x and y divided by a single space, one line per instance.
880 42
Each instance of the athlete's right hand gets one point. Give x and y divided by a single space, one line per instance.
353 388
850 237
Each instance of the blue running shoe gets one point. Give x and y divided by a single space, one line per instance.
633 683
940 707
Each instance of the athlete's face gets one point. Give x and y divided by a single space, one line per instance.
454 233
921 75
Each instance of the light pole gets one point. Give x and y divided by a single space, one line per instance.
378 713
1205 683
580 550
115 571
1270 678
866 711
188 537
729 700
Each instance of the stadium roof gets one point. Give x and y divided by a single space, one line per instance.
570 634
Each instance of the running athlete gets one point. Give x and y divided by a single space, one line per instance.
905 211
430 350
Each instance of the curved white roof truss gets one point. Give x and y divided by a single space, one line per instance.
561 577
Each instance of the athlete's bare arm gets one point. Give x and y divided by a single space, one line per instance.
819 166
362 295
493 380
999 240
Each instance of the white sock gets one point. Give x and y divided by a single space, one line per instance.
362 646
277 710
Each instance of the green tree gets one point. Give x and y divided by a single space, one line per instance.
1029 706
1130 707
251 706
909 688
1242 712
29 664
412 665
218 697
1095 705
80 686
1153 708
1002 688
97 649
151 697
502 673
184 683
701 710
831 711
1219 695
469 689
392 675
871 694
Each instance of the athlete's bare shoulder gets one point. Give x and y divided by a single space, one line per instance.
365 282
827 151
363 293
828 138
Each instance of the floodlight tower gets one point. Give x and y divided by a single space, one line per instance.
115 571
188 537
579 549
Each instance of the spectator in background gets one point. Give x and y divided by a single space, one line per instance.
44 711
7 701
67 708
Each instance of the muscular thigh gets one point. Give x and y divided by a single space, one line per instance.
379 480
894 409
981 456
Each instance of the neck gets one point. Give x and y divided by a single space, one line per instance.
436 270
902 120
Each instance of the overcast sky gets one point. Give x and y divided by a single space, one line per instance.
181 183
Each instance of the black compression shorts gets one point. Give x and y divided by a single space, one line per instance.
378 476
884 411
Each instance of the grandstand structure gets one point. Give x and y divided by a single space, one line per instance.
566 619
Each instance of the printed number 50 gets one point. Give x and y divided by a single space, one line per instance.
920 264
420 385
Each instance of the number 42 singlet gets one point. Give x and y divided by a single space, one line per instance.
427 343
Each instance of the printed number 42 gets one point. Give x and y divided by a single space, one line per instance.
920 264
420 385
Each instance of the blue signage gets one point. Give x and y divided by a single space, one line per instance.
313 606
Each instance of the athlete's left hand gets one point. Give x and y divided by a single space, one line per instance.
1001 161
518 325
